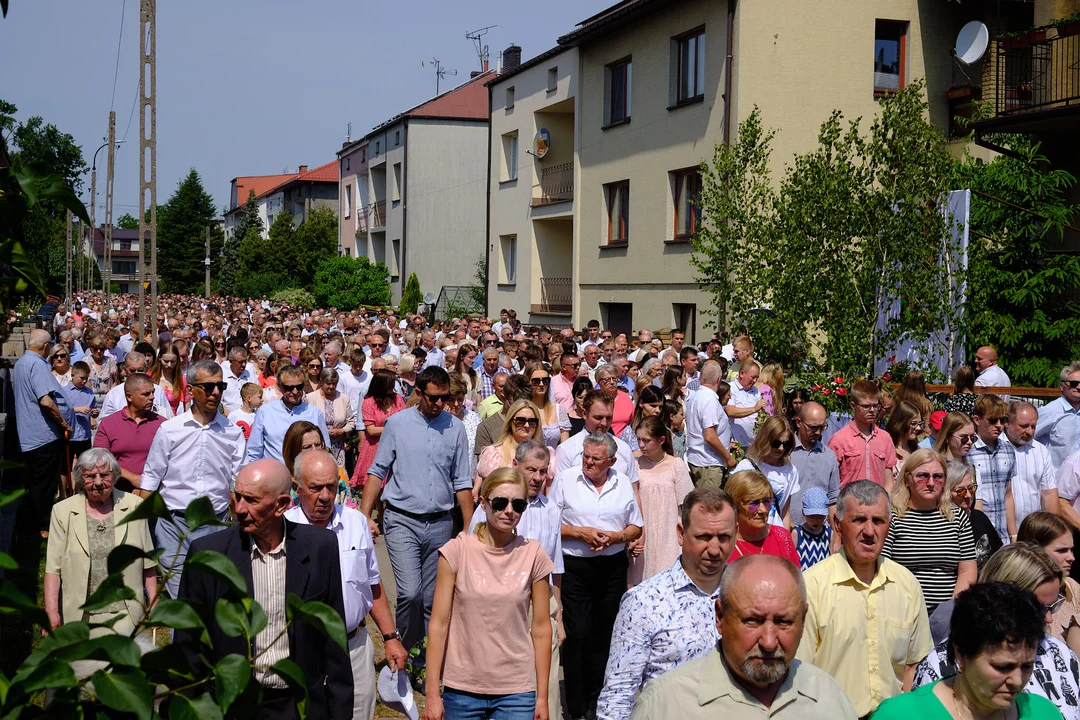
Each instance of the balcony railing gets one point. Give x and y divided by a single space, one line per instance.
361 221
556 184
1039 70
376 214
556 296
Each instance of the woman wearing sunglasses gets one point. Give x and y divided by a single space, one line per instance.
487 583
522 423
961 488
929 535
754 534
60 362
956 437
554 420
1055 537
770 455
220 354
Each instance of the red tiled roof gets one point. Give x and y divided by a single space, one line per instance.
466 101
323 173
259 183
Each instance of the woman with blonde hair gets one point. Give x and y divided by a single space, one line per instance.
487 583
770 455
554 421
167 373
904 427
929 535
913 390
771 384
956 437
1051 533
754 534
522 423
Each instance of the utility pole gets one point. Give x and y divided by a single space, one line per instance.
107 275
93 217
67 261
148 142
207 261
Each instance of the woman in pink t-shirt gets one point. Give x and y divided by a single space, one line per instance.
481 649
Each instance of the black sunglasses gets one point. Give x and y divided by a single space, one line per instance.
435 399
537 382
498 504
1073 384
209 387
526 422
292 388
786 444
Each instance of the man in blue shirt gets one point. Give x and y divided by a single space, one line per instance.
273 419
1059 421
424 456
41 409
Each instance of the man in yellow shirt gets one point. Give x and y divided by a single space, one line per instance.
866 623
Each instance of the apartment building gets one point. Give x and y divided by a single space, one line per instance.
413 190
296 193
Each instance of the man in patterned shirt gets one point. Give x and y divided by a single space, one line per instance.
995 466
670 618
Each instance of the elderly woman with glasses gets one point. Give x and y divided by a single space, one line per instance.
607 379
962 487
522 423
929 535
754 534
770 455
83 530
60 361
340 418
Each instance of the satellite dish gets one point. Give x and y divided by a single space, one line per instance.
541 143
428 298
972 42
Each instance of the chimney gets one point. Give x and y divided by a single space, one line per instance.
511 58
302 170
475 74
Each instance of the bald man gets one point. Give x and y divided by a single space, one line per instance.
990 373
276 557
44 421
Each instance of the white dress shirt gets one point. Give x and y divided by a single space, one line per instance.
355 387
233 382
568 455
359 567
268 589
1034 474
743 428
993 376
116 400
541 521
189 460
611 508
703 411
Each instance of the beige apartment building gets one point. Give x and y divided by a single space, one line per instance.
651 82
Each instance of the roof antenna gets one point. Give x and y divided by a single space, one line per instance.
440 71
481 48
348 134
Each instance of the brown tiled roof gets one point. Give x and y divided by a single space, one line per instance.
259 183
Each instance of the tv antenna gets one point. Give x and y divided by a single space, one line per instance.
481 48
440 71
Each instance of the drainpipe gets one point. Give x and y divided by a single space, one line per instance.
487 222
404 206
728 62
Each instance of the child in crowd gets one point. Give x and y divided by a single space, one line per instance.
674 417
251 399
814 537
82 401
936 418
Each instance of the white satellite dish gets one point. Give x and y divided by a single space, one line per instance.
972 42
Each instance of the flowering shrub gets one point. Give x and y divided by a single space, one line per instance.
830 390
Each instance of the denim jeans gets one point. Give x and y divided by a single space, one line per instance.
167 537
461 705
413 546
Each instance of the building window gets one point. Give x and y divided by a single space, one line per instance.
395 190
348 252
687 197
617 196
377 144
348 200
397 138
269 221
509 97
553 79
346 164
510 156
619 78
890 56
508 251
690 66
617 317
395 259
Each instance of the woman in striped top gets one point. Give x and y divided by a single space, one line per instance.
929 535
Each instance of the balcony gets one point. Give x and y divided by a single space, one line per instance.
376 215
556 296
361 222
556 185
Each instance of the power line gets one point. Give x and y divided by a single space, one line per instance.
116 70
131 114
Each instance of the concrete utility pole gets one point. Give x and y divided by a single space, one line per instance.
207 261
93 217
67 261
148 142
107 274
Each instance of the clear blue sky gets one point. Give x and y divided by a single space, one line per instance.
249 88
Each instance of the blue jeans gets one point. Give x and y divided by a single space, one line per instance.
413 546
167 537
461 705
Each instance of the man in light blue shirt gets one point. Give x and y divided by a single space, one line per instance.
273 419
1059 421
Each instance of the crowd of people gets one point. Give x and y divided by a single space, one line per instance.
559 503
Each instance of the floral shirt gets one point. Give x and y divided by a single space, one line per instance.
1056 676
102 377
662 623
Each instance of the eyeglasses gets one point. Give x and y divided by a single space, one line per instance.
498 504
570 365
607 381
996 420
526 422
1052 608
869 406
103 475
924 478
1073 384
59 356
219 344
435 399
292 388
965 439
209 387
755 505
786 444
537 382
814 428
376 345
490 342
915 425
964 492
314 365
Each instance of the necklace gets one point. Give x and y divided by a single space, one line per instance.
970 715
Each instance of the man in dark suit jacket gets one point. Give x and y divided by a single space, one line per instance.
275 557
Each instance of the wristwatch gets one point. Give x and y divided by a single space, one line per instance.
391 636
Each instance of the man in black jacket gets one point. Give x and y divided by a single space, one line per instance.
275 557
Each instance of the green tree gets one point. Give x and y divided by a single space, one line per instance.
1019 292
229 259
316 240
281 253
347 283
478 287
181 240
411 297
128 221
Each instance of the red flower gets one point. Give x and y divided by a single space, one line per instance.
892 358
826 391
841 391
816 388
886 377
838 381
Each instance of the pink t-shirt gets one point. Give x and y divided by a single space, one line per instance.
489 620
862 459
778 542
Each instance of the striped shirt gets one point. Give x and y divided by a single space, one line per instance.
268 589
994 470
812 548
931 546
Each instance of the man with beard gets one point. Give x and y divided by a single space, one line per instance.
752 671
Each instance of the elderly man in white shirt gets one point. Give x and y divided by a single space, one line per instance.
1034 486
194 455
116 399
236 373
745 403
708 432
315 473
599 409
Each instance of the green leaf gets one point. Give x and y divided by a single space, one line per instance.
220 567
240 617
231 676
126 690
151 507
168 665
291 673
10 496
175 614
50 674
200 513
112 589
7 562
13 601
116 649
321 615
122 556
201 708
